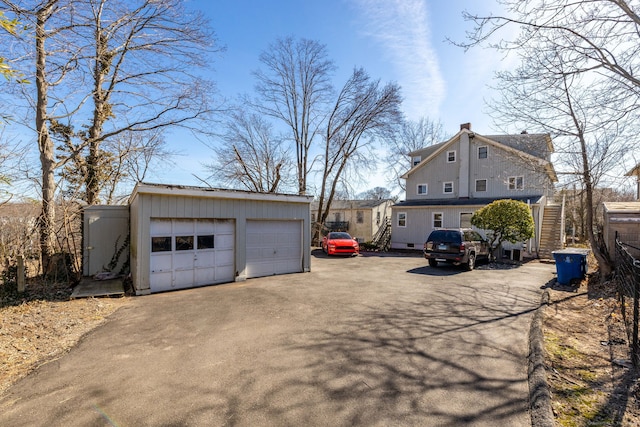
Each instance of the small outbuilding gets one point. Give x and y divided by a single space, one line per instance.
183 237
622 218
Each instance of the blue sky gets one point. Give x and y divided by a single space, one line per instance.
394 40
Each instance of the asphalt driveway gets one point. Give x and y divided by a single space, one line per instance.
371 340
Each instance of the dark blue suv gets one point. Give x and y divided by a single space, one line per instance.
456 246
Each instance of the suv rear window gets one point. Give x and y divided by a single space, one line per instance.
472 236
445 236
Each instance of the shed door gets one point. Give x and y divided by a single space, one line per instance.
192 252
273 247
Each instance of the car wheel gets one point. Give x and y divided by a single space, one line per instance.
471 262
433 263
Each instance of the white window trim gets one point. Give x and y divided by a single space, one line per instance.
486 186
454 156
433 220
487 148
415 160
444 184
398 219
426 187
515 183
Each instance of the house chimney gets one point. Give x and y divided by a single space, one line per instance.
466 126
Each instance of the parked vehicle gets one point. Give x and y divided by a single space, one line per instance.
456 246
340 243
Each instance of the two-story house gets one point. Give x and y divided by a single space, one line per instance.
363 219
449 181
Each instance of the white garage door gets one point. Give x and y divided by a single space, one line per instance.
188 253
273 247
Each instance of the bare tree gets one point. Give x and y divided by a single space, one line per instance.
251 157
123 160
294 87
104 68
376 193
143 68
581 110
50 22
412 136
362 111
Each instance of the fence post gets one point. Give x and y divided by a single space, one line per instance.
20 274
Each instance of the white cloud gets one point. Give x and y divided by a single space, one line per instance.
401 27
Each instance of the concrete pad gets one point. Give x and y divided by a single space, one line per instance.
88 288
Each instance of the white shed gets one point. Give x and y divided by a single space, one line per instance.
105 239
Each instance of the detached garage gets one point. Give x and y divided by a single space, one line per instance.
183 237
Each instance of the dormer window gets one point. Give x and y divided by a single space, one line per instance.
415 160
451 156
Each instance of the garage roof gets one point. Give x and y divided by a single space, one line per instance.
209 192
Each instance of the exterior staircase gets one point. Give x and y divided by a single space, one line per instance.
382 238
551 235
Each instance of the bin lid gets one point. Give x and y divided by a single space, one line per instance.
572 251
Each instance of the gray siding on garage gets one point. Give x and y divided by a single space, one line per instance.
171 202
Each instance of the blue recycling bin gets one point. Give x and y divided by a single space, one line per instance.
571 263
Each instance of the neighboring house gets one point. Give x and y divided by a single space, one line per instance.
449 181
363 219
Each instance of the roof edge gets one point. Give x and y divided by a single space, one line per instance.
192 191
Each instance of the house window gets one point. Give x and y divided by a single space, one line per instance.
359 217
415 160
422 188
451 156
437 220
447 187
336 216
402 219
377 218
481 185
482 152
516 182
465 220
313 217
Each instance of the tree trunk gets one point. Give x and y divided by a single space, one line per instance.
604 264
101 67
45 144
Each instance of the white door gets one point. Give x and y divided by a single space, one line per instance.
273 247
192 252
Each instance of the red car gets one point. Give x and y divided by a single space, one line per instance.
340 243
